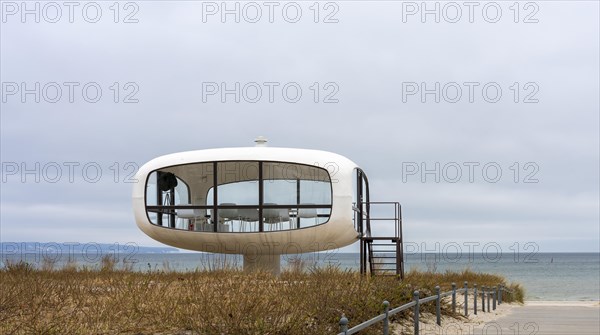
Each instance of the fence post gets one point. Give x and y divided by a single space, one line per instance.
483 298
475 299
438 308
488 299
416 318
386 321
495 294
466 299
454 297
343 324
500 294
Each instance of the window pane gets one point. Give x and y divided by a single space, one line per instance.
284 181
280 192
240 193
151 190
238 183
315 192
179 185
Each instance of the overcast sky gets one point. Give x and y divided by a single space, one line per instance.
520 98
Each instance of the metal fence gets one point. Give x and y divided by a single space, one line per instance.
491 295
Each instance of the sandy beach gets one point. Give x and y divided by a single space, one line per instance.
543 317
452 326
562 303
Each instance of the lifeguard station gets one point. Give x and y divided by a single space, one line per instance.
262 202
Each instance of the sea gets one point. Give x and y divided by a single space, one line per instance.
544 276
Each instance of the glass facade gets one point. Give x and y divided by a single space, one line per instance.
250 196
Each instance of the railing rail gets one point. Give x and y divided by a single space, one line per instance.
489 293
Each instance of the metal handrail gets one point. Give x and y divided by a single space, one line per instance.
343 323
362 217
397 215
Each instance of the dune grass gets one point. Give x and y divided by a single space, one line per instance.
119 301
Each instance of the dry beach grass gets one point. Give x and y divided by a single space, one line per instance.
113 300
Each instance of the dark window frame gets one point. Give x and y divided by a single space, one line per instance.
159 209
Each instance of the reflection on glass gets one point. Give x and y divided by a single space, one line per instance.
239 220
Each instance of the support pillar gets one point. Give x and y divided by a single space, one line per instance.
263 262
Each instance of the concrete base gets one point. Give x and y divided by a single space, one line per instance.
269 263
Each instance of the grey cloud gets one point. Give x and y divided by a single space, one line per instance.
368 54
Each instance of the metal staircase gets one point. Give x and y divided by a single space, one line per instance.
382 253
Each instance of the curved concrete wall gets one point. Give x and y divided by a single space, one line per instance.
337 232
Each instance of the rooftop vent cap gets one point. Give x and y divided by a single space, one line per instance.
261 141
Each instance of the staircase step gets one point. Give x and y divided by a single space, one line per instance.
387 273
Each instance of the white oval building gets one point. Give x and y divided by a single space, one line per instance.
260 202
